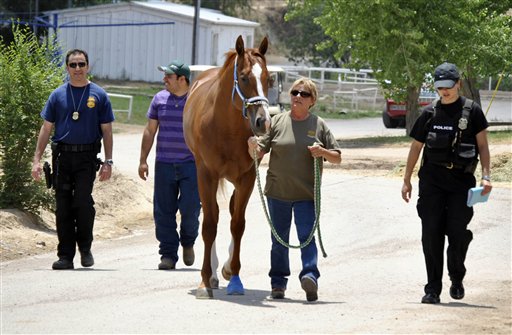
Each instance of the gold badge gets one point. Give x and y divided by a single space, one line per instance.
91 103
312 133
463 123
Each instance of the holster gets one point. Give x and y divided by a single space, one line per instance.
48 174
471 168
99 163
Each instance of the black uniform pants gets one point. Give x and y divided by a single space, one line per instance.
443 211
75 174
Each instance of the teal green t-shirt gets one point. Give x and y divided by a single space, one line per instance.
290 175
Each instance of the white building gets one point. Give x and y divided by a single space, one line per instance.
127 41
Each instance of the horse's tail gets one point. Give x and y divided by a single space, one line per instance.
222 189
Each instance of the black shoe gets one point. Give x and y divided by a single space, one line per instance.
457 290
63 264
430 298
86 258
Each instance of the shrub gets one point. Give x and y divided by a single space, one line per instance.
29 72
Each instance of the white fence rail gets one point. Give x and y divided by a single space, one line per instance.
348 89
354 97
322 76
130 104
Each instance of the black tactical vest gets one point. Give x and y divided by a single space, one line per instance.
449 140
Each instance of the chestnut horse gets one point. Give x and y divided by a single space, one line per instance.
225 107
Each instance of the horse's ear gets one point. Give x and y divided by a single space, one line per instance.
239 45
263 46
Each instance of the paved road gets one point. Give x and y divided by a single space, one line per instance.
501 110
371 281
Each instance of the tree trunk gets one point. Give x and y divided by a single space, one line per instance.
469 88
413 94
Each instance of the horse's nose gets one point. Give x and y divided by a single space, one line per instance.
262 125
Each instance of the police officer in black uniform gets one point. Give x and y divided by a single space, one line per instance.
82 116
452 133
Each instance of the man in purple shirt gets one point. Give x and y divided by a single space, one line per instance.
175 170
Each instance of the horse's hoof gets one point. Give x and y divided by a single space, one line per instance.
225 273
204 293
235 286
214 283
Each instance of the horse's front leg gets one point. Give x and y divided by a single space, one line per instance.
208 194
237 206
226 269
214 260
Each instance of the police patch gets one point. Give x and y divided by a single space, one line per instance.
91 103
463 123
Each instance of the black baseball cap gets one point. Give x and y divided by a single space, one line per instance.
446 75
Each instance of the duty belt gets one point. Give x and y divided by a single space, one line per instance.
63 147
450 166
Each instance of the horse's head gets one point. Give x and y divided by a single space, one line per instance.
251 84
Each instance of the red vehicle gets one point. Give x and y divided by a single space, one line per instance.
393 114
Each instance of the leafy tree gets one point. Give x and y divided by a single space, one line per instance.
305 39
28 74
402 40
228 7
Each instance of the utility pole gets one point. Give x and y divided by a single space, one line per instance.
195 33
35 17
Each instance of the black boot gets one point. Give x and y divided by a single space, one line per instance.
86 258
457 290
63 264
430 298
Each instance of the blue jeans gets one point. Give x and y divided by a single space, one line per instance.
281 216
175 189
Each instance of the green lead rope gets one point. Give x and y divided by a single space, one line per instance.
316 226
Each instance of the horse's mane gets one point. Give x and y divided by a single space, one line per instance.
231 55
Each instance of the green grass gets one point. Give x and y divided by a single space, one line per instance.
142 94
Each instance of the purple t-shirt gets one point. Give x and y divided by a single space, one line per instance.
167 109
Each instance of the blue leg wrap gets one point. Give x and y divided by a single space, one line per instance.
235 286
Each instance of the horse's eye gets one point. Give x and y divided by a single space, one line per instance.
245 79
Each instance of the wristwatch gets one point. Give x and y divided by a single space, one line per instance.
109 162
488 178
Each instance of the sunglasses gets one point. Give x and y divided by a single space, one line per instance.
79 64
301 93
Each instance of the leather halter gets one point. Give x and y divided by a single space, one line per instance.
246 103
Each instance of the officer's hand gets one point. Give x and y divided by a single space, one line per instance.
105 172
36 171
487 186
406 191
143 171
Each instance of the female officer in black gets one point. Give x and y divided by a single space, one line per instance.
453 131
